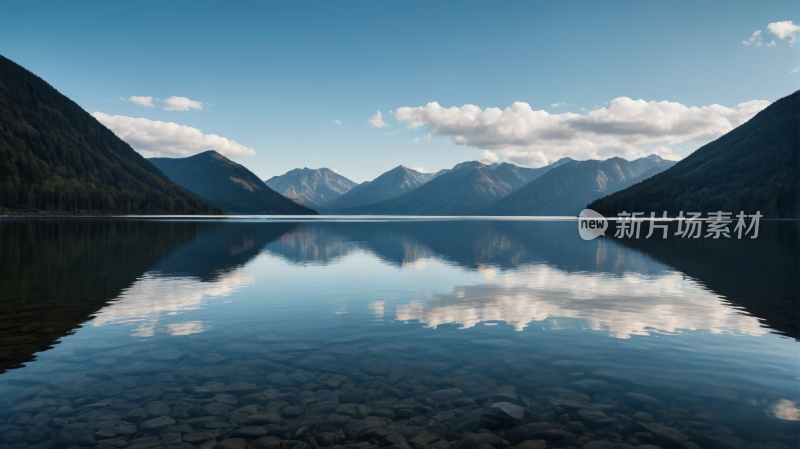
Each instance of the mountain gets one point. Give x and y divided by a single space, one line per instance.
391 184
227 185
311 188
55 157
566 190
752 168
467 188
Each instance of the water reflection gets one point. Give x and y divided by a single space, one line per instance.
539 270
151 297
211 323
143 270
614 306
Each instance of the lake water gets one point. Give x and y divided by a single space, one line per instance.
279 334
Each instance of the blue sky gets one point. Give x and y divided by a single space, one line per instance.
274 76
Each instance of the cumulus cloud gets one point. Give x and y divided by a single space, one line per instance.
377 121
555 105
626 128
337 122
784 30
756 38
488 157
141 101
181 104
392 133
167 139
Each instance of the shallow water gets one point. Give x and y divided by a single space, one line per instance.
281 333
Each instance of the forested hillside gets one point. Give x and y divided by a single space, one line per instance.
55 157
752 168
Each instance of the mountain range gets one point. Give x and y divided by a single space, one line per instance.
314 188
566 190
56 158
227 185
466 189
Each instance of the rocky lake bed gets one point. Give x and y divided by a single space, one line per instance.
280 394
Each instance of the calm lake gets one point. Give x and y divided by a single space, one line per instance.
278 334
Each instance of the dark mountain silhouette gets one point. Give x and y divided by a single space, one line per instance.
468 188
227 185
55 157
312 188
566 190
391 184
752 168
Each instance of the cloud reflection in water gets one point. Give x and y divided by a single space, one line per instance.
608 303
151 296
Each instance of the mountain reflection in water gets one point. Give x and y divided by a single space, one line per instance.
531 271
522 303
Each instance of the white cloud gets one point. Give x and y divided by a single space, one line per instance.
337 122
555 105
488 157
419 169
155 138
772 43
141 101
626 128
756 37
377 121
392 133
182 104
784 30
793 71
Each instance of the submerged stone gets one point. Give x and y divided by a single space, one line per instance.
505 412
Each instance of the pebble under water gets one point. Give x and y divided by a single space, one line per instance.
458 334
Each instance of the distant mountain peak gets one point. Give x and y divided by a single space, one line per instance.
313 188
391 184
567 188
468 164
